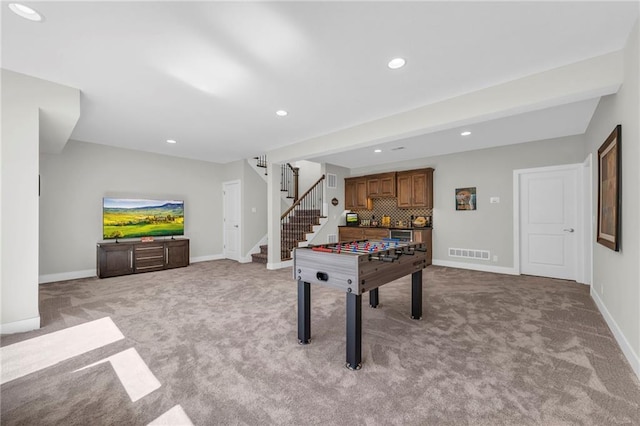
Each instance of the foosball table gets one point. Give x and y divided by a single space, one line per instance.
356 268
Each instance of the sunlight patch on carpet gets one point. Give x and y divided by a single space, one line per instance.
133 372
174 417
35 354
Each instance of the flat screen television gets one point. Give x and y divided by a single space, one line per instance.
135 218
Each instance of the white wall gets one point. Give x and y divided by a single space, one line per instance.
490 227
74 182
616 287
308 174
254 196
22 99
335 214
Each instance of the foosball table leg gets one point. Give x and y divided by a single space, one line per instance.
304 312
416 295
373 298
354 331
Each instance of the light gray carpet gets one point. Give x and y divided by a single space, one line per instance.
222 339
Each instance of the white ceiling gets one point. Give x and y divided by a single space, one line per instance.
212 74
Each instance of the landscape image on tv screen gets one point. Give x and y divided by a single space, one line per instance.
134 218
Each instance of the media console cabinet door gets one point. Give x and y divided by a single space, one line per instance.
176 253
115 259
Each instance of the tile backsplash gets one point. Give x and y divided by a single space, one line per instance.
389 207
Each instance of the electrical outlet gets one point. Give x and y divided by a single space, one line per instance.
495 258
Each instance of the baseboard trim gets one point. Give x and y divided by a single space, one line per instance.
206 258
65 276
279 265
627 350
475 267
20 326
88 273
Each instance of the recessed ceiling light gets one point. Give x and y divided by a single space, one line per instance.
171 141
377 150
465 133
281 113
25 12
396 63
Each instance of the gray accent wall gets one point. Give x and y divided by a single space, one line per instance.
616 286
74 182
490 227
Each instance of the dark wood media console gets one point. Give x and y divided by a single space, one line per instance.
134 257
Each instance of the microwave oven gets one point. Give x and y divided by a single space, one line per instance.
352 219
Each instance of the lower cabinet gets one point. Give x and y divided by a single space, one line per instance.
176 253
348 234
424 236
115 259
123 258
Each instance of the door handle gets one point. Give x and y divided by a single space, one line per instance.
568 229
235 226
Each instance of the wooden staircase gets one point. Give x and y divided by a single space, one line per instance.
293 232
297 221
262 256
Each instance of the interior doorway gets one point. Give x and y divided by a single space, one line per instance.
550 230
231 219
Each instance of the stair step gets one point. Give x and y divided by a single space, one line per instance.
259 258
312 212
264 249
296 227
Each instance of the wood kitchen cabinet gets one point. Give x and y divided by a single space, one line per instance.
424 236
348 234
382 185
415 188
355 194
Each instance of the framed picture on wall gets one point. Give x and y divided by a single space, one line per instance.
609 202
466 198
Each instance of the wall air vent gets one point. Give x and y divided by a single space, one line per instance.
332 238
470 253
332 181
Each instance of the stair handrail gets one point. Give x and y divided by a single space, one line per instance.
299 200
289 177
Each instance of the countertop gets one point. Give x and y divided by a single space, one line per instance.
388 227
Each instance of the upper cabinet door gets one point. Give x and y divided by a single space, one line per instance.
355 194
362 201
404 190
350 194
382 185
419 189
415 189
373 186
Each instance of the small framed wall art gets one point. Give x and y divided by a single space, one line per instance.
466 198
609 202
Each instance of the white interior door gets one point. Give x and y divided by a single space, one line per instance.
231 219
548 223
